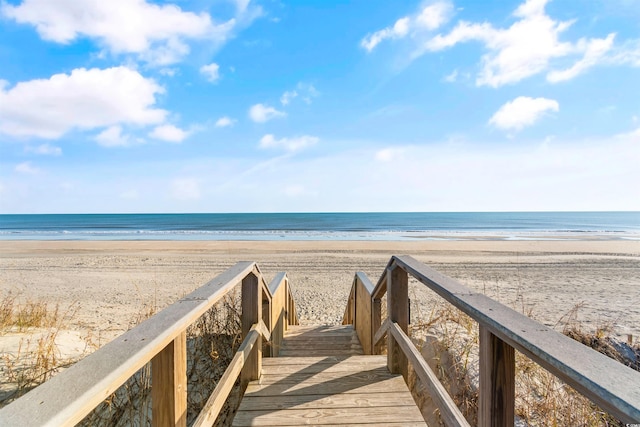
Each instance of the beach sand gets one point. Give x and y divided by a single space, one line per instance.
109 283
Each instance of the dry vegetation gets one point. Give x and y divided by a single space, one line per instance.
36 358
211 343
448 340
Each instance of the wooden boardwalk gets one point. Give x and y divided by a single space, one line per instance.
323 378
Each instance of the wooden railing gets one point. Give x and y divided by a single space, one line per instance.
68 397
606 382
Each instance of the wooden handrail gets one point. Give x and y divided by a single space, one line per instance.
216 401
448 409
609 384
161 338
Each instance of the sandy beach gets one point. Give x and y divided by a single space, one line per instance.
107 283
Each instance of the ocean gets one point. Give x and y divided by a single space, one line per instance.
324 226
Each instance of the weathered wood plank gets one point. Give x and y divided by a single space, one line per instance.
448 409
320 330
382 331
97 376
309 360
278 289
323 352
497 381
342 385
327 416
363 288
312 345
376 323
362 375
398 310
314 401
251 314
326 339
609 384
169 384
217 399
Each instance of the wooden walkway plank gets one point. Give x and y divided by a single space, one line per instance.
316 401
323 378
327 416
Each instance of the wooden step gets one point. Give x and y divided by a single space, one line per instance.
322 378
322 340
333 390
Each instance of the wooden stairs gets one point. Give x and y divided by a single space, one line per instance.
323 378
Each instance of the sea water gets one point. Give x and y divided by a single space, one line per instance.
324 226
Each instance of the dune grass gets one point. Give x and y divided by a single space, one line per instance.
448 339
37 357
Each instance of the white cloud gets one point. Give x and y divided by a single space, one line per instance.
525 48
304 91
27 168
185 189
157 33
451 78
522 111
169 133
84 99
429 18
224 122
399 30
434 16
211 71
45 149
288 144
595 51
261 113
113 137
288 96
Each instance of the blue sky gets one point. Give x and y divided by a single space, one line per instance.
276 106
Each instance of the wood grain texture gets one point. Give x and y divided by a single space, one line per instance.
449 412
398 310
97 376
337 389
169 384
251 314
609 384
216 401
363 312
497 381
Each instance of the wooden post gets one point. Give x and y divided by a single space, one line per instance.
169 384
251 313
398 311
497 381
267 306
376 322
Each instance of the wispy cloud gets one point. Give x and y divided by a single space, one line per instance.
169 133
288 144
261 113
522 112
224 122
211 72
45 149
27 168
429 18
